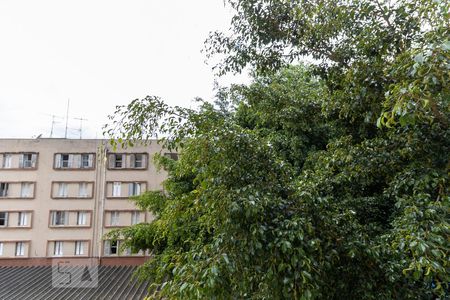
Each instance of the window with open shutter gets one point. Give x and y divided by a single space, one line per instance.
58 248
20 249
23 219
117 187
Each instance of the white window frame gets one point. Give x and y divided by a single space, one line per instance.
62 216
20 249
89 160
7 161
137 161
22 218
79 247
117 189
26 190
114 218
135 217
134 188
108 246
28 160
5 218
4 186
62 190
58 248
65 163
83 190
82 218
1 248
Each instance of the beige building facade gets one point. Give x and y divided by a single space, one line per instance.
59 197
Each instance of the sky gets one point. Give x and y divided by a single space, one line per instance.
99 54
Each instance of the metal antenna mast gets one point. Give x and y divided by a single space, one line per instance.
54 117
67 118
81 125
53 124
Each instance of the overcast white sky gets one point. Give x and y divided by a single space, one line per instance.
100 54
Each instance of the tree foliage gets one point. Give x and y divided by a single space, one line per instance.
286 188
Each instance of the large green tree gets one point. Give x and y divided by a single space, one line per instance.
287 188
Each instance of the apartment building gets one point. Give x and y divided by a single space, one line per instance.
59 197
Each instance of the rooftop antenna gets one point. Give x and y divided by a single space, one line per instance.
81 125
67 118
53 123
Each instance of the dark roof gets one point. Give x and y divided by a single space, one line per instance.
114 282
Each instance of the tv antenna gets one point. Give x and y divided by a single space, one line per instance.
67 118
53 123
81 125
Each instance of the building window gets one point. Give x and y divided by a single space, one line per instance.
83 190
111 247
79 248
75 161
114 218
135 217
22 219
137 160
81 218
1 249
20 248
7 159
59 218
62 190
4 189
118 161
26 190
3 218
134 189
173 156
28 160
65 161
86 161
58 249
116 192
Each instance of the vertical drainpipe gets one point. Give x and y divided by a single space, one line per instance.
102 198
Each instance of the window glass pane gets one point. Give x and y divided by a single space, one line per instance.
20 249
58 249
81 218
113 248
79 248
23 219
59 218
27 160
135 215
85 161
3 218
3 189
64 160
114 218
83 190
118 161
62 189
7 159
26 190
117 189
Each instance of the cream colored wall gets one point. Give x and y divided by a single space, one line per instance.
44 175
